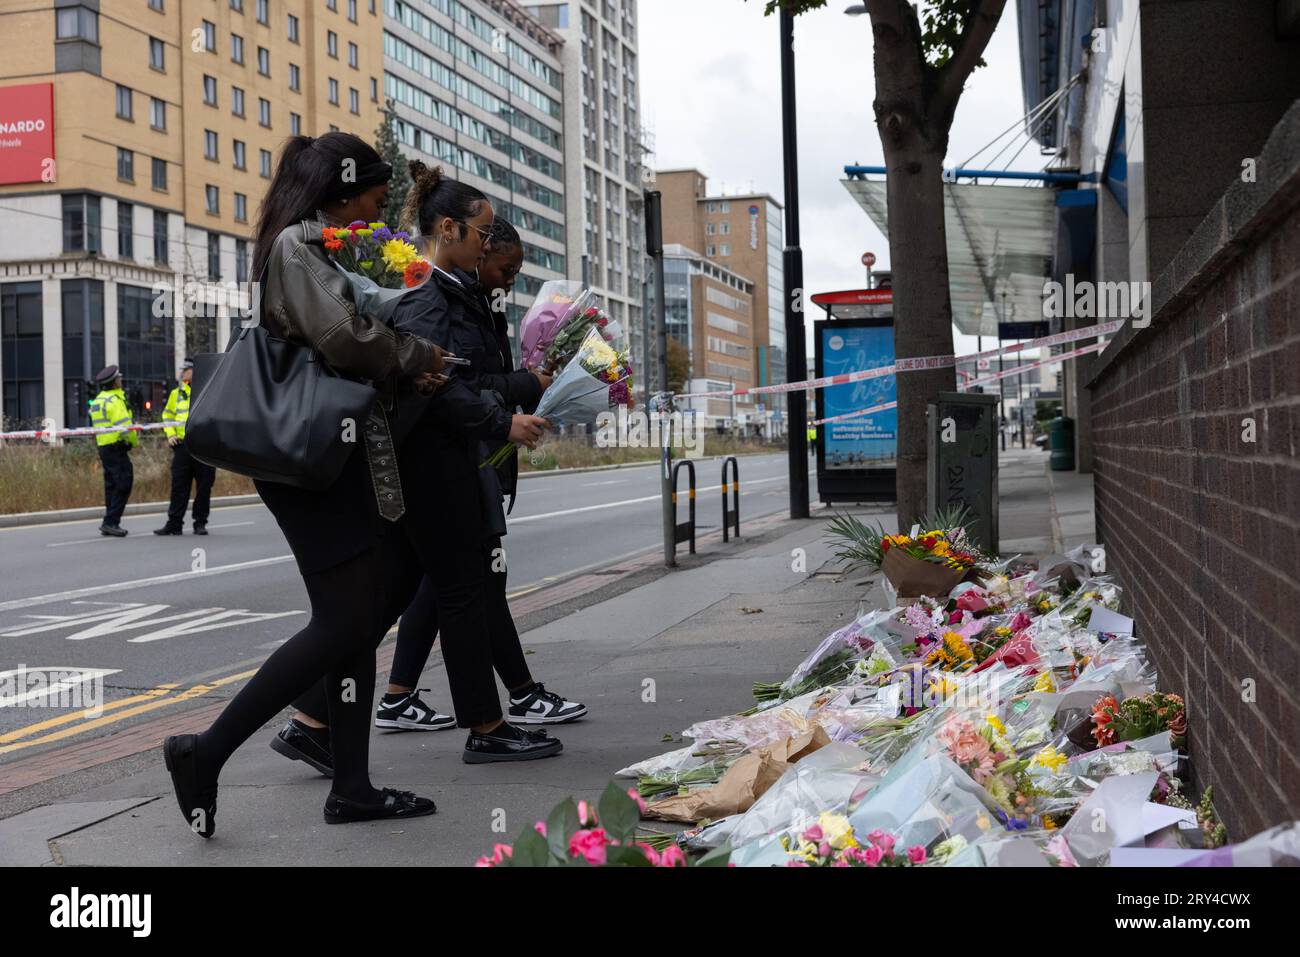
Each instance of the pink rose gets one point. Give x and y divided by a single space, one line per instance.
1020 622
971 601
672 856
795 862
635 795
875 836
590 845
586 813
872 856
916 854
540 828
954 617
823 850
814 834
886 844
651 854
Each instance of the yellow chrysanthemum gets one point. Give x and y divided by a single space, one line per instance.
398 254
957 646
1049 758
996 723
1044 683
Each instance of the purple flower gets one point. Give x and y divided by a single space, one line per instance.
383 234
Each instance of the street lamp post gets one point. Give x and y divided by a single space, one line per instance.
795 350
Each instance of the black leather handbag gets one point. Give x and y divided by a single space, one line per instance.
273 410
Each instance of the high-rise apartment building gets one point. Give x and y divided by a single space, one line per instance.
604 151
742 233
140 138
478 88
710 310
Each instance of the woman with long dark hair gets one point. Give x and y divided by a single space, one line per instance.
485 342
341 536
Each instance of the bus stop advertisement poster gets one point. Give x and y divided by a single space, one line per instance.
856 457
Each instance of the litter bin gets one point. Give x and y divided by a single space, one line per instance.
1061 437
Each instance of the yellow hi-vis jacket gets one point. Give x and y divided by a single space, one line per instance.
109 408
177 410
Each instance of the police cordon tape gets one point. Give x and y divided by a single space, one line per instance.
71 433
918 363
966 386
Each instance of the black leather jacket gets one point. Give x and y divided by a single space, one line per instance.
305 299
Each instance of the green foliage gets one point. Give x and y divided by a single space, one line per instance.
386 143
860 543
679 365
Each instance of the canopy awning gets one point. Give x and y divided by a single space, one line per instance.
1000 242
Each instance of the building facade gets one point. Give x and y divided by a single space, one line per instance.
478 87
743 233
149 135
604 152
710 310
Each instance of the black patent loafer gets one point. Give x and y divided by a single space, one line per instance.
395 804
296 743
198 801
515 745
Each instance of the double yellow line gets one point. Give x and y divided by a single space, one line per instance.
77 722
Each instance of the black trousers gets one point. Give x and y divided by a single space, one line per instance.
187 470
419 628
119 476
440 540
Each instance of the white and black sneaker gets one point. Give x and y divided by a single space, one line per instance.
539 706
404 711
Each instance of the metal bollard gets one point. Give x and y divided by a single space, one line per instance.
684 531
731 517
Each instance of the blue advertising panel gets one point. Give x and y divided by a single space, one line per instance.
868 441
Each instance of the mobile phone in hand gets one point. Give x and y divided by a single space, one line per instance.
454 361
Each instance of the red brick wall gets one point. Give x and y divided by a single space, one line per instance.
1201 527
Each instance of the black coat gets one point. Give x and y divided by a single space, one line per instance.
472 412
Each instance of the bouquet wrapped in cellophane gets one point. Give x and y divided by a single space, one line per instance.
596 378
381 265
556 325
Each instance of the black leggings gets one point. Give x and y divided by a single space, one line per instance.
348 603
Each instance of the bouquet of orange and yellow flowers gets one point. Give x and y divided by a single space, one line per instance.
380 265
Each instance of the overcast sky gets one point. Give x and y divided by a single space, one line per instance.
711 94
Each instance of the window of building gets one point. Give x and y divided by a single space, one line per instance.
160 237
236 101
264 61
157 54
710 250
241 260
159 174
263 12
125 106
237 48
241 207
209 36
156 5
209 90
83 345
710 229
264 112
711 207
125 230
210 144
157 113
334 91
22 352
352 10
295 124
77 23
374 90
145 349
237 5
724 206
354 101
81 223
332 43
354 56
724 229
295 78
724 249
214 257
241 157
212 198
266 164
125 165
293 29
332 5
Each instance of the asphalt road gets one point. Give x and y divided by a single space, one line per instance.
135 615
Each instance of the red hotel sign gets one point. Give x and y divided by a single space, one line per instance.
26 132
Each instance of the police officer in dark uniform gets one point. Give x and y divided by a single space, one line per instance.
186 469
109 410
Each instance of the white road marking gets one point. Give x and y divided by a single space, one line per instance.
132 615
139 583
80 541
74 677
595 484
231 524
628 501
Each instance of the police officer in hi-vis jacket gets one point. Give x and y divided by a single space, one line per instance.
109 410
186 469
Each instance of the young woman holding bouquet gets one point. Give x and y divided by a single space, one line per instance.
447 519
480 336
338 536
